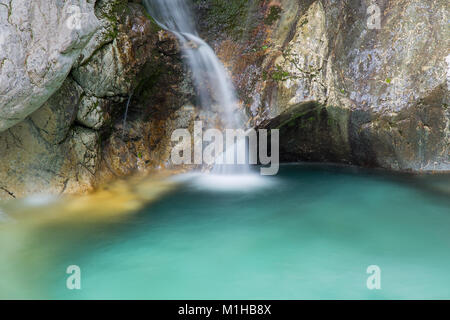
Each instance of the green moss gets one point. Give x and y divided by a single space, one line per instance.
111 11
116 11
229 14
303 22
280 75
155 26
114 32
330 122
96 104
291 123
232 16
274 15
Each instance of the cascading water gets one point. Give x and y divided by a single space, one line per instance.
213 85
215 90
210 77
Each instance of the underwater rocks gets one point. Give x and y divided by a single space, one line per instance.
380 92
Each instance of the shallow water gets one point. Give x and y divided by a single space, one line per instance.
308 233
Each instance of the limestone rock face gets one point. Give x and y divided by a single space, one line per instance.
76 140
375 70
39 43
113 69
43 154
55 118
92 112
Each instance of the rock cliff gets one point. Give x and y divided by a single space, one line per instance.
361 82
63 128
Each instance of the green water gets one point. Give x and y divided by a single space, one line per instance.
308 233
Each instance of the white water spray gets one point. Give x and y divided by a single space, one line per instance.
213 85
210 77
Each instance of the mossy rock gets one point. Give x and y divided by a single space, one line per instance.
231 16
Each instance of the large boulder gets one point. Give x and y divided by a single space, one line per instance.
39 43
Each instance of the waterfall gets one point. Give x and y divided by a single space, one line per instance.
210 77
214 87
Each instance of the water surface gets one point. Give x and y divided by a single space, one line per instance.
308 233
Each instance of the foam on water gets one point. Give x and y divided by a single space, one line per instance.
234 183
225 183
